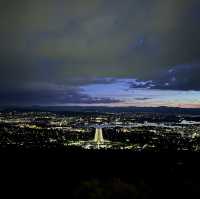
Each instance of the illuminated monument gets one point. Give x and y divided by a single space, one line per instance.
98 142
98 138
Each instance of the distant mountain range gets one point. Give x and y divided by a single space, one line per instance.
162 109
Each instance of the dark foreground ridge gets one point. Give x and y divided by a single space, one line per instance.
102 174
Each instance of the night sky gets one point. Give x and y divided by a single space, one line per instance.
100 52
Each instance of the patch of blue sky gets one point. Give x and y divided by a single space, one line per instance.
121 90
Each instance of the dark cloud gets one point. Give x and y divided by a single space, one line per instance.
50 97
75 42
180 77
142 98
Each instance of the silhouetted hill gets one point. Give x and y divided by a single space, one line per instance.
163 109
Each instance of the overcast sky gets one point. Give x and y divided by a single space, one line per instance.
100 52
